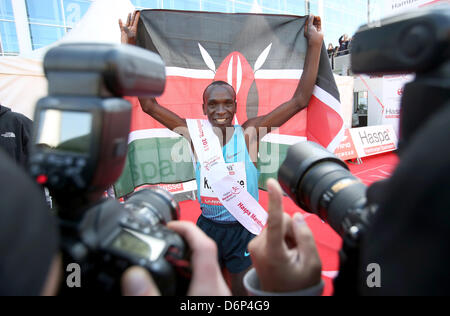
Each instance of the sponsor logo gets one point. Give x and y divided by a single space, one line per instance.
9 135
392 113
374 138
229 157
231 170
236 190
246 254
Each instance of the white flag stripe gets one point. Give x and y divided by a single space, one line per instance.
239 75
283 139
151 133
278 74
230 72
190 73
321 94
166 133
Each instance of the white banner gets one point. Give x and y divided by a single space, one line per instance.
392 7
373 140
392 96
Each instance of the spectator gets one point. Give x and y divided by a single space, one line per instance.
330 50
343 45
15 135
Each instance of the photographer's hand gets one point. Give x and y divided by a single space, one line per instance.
129 30
136 281
207 279
284 254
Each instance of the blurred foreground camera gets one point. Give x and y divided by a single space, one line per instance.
417 42
81 142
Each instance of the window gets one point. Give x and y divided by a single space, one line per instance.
147 4
50 20
9 44
6 11
42 35
242 6
45 12
215 6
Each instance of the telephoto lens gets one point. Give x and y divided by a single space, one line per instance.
320 183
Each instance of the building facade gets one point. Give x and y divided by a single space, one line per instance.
27 25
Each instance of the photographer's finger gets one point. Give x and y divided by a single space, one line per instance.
136 281
275 220
304 237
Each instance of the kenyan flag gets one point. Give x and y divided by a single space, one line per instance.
260 55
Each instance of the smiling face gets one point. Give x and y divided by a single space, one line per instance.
219 104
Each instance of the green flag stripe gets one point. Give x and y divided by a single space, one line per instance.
168 160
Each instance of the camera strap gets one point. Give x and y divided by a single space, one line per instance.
241 204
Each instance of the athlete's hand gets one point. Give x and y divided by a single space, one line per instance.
129 30
284 254
207 279
313 30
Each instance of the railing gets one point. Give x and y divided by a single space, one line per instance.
341 63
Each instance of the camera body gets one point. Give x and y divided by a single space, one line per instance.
111 237
80 148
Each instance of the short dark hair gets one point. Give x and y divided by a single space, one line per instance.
217 83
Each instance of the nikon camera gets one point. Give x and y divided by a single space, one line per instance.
80 147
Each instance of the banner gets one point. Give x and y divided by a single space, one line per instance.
346 149
261 56
393 86
398 6
373 140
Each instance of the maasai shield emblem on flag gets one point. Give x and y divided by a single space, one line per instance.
261 56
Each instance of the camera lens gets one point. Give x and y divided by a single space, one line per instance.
320 183
152 207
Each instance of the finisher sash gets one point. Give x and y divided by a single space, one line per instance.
230 193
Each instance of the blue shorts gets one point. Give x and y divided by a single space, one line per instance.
232 240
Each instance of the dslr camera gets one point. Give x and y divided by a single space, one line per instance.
416 42
80 147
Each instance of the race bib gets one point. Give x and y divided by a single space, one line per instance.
236 170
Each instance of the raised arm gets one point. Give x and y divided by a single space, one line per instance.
150 106
302 95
